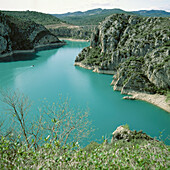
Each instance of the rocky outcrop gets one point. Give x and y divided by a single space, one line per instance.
136 48
123 133
19 35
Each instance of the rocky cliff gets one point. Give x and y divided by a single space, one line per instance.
136 49
16 34
75 32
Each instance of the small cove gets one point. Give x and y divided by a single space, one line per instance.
54 73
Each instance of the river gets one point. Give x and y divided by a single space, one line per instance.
54 73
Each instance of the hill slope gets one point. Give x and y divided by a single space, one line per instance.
90 17
152 13
37 17
95 16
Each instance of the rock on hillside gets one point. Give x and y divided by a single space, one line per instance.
136 48
123 133
17 34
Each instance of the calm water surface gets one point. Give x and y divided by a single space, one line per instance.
54 73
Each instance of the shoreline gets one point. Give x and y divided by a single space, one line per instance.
72 39
155 99
79 64
95 69
35 49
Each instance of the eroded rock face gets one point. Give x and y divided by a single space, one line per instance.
16 34
83 32
137 48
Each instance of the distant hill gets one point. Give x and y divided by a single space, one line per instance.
91 12
153 13
90 17
94 16
37 17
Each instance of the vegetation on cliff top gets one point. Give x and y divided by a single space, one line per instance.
37 17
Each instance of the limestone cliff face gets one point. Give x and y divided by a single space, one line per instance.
76 32
136 48
22 35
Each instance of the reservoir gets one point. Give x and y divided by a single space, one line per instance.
52 73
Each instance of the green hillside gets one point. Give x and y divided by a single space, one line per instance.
37 17
90 17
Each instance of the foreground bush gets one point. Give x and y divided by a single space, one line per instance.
55 121
137 154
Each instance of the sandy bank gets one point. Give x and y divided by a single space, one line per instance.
95 69
83 66
37 48
71 39
156 99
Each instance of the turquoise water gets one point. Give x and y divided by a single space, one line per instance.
54 73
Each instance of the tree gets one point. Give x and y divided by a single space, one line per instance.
57 122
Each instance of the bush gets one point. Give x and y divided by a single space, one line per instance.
138 154
57 122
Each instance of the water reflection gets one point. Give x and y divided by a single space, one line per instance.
19 57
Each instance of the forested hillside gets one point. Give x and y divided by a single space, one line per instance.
95 16
90 17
